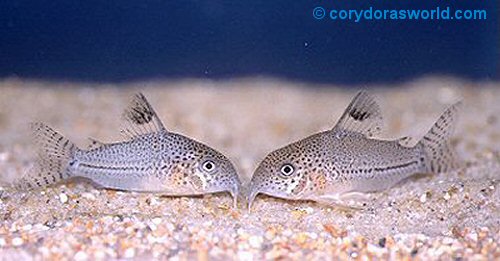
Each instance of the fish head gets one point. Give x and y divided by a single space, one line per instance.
281 174
205 170
219 174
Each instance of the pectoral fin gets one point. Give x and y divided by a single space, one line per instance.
338 201
355 196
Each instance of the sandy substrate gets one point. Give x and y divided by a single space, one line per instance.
450 215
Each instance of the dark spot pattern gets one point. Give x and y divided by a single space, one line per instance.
359 115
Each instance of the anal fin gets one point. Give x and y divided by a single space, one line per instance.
354 195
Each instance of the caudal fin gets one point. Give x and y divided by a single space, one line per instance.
54 155
439 154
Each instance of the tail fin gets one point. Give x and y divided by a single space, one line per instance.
54 155
440 156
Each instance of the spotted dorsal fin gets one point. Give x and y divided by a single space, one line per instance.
362 116
141 118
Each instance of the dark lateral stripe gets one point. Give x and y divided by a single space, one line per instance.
396 166
105 167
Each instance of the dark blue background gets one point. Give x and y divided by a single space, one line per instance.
134 40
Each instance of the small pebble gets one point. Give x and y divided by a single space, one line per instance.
27 227
382 242
447 196
170 227
309 210
287 232
88 196
63 198
17 241
4 156
472 236
255 241
375 250
157 220
447 240
45 251
423 198
129 253
99 254
245 255
80 256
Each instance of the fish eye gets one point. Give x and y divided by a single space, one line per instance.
208 166
287 169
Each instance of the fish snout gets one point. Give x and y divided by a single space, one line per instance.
230 182
256 185
253 190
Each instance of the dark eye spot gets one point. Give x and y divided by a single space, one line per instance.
208 166
287 170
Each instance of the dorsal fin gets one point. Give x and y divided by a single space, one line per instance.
362 116
141 118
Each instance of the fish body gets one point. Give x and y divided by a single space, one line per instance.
153 159
342 163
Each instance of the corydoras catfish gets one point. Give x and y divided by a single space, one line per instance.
346 162
153 159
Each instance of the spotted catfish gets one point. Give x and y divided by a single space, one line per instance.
345 162
153 159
